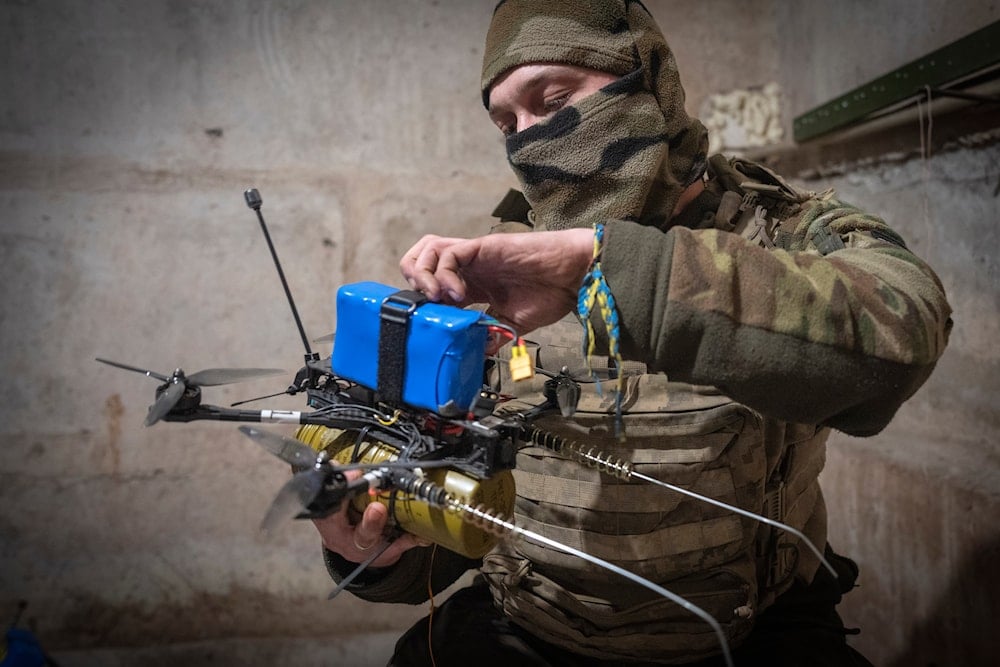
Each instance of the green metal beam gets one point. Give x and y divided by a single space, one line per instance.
964 56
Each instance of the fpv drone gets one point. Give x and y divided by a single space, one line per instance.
402 399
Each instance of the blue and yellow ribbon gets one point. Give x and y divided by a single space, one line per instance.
595 293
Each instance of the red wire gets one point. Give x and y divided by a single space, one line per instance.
492 328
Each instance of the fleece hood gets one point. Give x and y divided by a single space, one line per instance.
626 152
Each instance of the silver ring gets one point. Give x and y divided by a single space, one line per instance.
354 538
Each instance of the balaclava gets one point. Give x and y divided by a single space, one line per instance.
626 152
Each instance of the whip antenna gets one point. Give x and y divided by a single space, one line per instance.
254 201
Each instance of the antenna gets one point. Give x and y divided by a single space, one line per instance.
254 201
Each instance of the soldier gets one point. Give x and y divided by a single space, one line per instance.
776 314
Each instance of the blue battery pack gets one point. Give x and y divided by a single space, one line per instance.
442 359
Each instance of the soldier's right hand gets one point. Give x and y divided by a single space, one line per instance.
529 279
355 541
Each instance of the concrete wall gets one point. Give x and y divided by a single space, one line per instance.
128 132
917 505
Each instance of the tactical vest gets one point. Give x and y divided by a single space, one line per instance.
691 436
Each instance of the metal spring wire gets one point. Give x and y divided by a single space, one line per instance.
425 490
489 520
622 469
485 518
590 456
482 517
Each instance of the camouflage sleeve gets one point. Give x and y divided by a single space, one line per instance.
840 339
405 582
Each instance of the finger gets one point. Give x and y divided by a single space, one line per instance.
456 265
339 536
409 258
417 248
370 534
369 530
448 274
424 271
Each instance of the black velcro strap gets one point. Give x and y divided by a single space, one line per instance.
395 314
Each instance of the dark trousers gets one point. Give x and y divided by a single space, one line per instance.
801 629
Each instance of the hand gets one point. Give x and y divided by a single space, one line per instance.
355 542
528 279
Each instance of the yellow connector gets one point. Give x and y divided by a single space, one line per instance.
520 364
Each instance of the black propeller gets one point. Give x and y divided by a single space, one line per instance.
166 399
289 450
177 383
295 496
318 485
304 487
563 388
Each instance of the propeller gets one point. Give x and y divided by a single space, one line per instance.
293 452
317 482
166 399
295 496
564 387
305 485
177 383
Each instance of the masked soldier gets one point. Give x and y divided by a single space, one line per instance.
739 319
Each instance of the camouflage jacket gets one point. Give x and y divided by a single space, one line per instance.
807 310
819 315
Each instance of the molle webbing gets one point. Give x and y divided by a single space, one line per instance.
755 202
710 445
690 436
